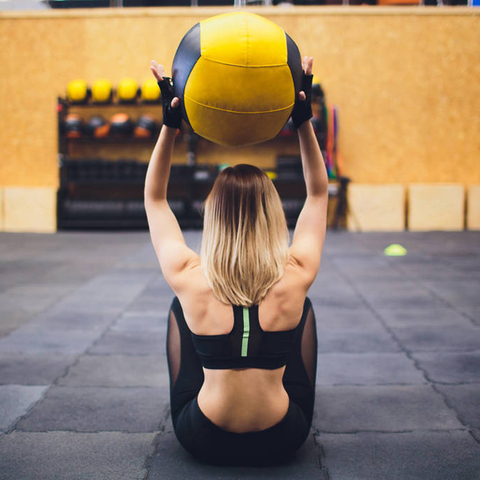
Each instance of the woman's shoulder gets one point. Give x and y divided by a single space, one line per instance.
294 278
199 305
283 305
301 270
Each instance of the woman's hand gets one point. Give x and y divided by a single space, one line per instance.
302 111
307 65
172 114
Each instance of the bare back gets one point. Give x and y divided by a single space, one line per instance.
252 399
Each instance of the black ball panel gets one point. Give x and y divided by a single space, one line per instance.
186 56
294 61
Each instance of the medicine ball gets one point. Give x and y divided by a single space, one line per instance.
73 126
150 91
237 76
102 91
146 127
127 90
78 91
121 125
97 127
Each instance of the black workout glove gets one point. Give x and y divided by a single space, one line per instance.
302 110
172 117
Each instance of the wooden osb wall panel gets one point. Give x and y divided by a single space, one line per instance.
405 81
40 55
409 102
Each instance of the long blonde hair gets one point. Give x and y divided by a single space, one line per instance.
245 236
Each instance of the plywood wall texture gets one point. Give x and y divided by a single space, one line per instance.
405 80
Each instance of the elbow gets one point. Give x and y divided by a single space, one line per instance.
151 201
319 191
152 196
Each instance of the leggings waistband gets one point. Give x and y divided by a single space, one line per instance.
211 443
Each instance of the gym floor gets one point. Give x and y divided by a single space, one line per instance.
83 373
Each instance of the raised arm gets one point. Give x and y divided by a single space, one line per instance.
309 235
173 254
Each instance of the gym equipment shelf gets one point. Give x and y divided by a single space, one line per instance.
112 140
101 179
99 190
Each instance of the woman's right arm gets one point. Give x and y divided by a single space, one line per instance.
174 255
309 234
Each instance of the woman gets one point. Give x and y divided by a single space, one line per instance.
241 340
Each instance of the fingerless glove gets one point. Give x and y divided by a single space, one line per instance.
172 117
302 110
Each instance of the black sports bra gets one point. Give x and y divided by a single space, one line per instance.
246 346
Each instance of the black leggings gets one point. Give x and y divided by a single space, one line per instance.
212 444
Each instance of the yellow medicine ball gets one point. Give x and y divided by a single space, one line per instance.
237 76
101 91
150 91
127 90
77 91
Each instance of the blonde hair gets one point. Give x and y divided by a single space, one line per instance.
245 236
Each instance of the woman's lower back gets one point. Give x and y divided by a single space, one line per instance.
244 400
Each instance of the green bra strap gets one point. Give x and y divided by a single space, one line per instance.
246 331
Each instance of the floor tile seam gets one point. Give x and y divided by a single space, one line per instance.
413 352
149 460
13 426
88 432
447 350
318 438
387 328
57 301
455 384
407 352
143 355
120 315
99 386
319 432
366 353
37 314
396 384
107 328
85 352
75 362
451 406
110 387
402 350
430 382
320 456
165 416
475 438
385 385
39 401
432 292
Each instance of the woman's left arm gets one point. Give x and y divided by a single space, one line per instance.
174 255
